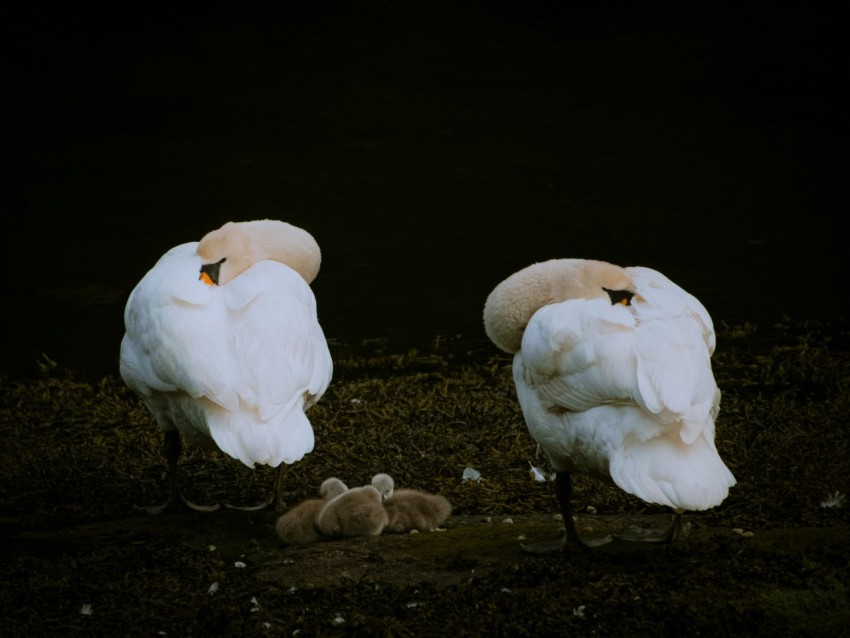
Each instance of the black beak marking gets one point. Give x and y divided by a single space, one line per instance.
622 297
213 270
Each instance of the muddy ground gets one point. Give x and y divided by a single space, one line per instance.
80 558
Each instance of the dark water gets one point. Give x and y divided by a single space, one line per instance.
431 148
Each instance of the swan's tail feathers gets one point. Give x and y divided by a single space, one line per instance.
666 471
285 438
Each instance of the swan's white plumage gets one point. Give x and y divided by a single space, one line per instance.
623 392
235 365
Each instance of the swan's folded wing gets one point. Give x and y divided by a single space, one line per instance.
578 354
674 342
173 338
278 347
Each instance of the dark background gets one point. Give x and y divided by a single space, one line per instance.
432 148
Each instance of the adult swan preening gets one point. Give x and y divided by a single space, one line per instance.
224 347
612 368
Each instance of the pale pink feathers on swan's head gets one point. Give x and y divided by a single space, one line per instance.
242 244
513 302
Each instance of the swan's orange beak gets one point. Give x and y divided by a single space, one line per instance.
206 279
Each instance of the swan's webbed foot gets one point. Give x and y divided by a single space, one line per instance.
567 544
552 547
179 504
274 501
677 530
176 502
266 504
199 508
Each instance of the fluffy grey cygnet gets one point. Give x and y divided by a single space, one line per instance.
414 510
298 525
358 511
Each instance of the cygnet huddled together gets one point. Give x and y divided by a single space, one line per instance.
410 510
298 525
368 510
358 511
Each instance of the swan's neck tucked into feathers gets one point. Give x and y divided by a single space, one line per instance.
239 245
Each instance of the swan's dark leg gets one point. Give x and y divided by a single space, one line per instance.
279 503
570 541
171 448
678 528
564 494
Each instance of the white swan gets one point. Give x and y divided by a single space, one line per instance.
612 368
358 511
297 526
412 509
223 345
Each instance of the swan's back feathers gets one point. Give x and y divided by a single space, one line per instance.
580 353
674 348
665 299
